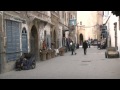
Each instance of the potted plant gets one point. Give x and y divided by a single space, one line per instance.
62 51
43 54
52 53
48 55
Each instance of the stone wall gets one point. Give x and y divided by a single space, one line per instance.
1 43
27 21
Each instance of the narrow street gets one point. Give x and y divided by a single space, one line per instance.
92 66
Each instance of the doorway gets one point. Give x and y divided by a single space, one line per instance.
34 42
55 39
81 39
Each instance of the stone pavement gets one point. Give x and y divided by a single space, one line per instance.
94 65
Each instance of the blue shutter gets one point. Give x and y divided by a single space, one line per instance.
24 41
13 40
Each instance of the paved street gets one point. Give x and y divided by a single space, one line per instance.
92 66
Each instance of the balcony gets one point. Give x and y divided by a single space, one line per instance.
72 24
41 15
56 14
72 27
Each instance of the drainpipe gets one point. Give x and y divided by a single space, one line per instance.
1 46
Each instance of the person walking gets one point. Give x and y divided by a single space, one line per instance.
85 46
89 43
98 45
72 47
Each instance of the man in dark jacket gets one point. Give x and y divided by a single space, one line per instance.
72 47
85 46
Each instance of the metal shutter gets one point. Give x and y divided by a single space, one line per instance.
13 40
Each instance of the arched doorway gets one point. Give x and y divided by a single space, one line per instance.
55 39
34 41
63 38
24 41
81 39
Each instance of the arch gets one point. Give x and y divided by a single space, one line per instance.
24 30
24 41
81 39
45 36
55 36
34 41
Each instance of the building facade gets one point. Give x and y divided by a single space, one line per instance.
24 32
65 20
113 29
88 25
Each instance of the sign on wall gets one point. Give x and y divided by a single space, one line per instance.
72 22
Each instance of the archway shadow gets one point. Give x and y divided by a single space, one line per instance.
34 42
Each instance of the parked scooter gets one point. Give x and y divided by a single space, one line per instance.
26 62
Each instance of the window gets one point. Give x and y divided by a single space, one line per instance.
24 31
62 14
80 23
13 40
24 41
65 17
71 16
45 35
106 13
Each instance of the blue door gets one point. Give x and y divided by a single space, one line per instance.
13 40
24 41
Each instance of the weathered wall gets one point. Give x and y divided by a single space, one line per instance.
1 42
27 22
89 19
55 21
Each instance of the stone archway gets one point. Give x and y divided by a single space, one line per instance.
55 37
34 41
81 39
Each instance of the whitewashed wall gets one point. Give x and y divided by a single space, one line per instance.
111 21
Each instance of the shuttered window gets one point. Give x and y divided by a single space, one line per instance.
13 40
24 41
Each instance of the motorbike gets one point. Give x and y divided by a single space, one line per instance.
101 46
27 61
